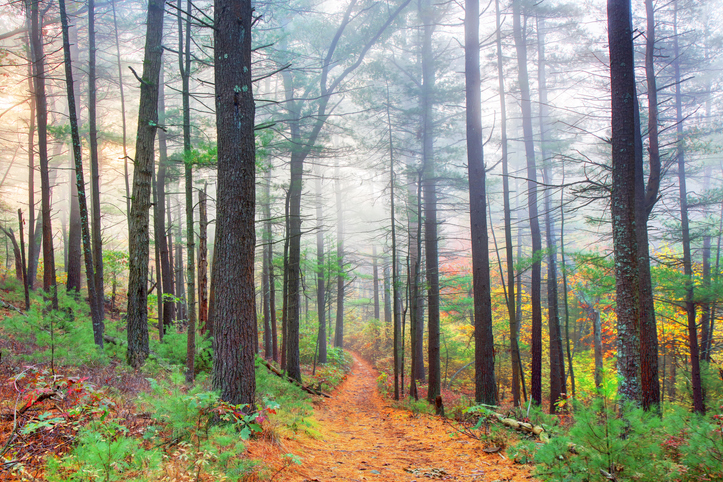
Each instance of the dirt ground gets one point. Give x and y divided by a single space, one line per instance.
364 438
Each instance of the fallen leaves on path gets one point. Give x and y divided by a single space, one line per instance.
363 438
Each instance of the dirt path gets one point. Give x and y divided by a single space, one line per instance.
366 439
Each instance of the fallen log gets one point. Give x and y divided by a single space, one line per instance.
307 388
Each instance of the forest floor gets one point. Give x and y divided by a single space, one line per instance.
362 437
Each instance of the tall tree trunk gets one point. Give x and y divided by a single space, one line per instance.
235 304
398 336
649 381
485 387
341 274
387 295
180 285
94 163
32 247
535 295
143 165
41 111
375 282
627 280
184 57
202 261
123 114
557 359
95 300
430 201
690 308
510 260
272 279
320 281
159 212
74 236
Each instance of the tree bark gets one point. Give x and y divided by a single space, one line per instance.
320 268
622 84
690 307
159 212
143 165
341 273
536 272
235 304
95 300
41 111
485 386
649 381
94 163
202 261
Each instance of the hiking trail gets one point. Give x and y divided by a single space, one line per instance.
364 438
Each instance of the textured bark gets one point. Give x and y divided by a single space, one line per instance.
649 380
94 163
557 358
75 253
485 387
398 337
320 279
10 234
416 309
509 256
202 261
184 65
622 84
387 295
138 231
536 271
32 265
234 316
426 11
95 300
41 112
159 213
690 307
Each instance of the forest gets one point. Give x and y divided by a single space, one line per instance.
246 239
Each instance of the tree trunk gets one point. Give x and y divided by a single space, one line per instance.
340 276
143 165
690 308
320 281
95 300
234 315
32 265
426 13
646 197
202 261
627 280
24 261
535 295
74 242
184 57
41 111
123 115
94 163
485 386
557 359
159 212
375 282
510 260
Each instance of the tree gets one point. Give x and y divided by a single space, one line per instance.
141 198
526 106
426 14
94 162
95 300
485 387
234 306
690 306
41 111
320 280
624 138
